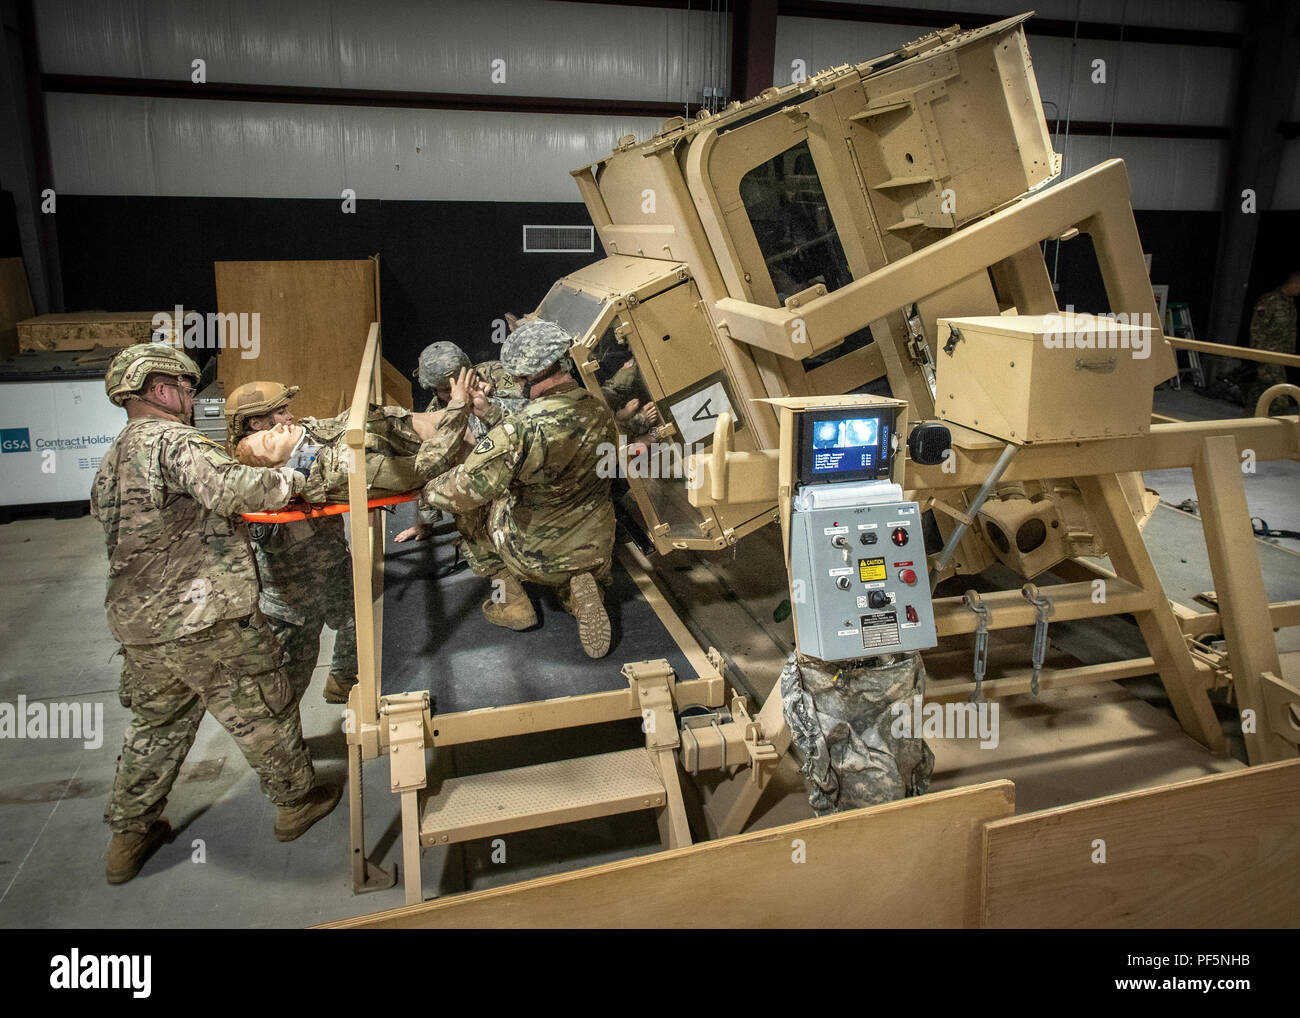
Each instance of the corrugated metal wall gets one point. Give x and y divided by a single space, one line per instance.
592 51
1206 15
114 145
110 145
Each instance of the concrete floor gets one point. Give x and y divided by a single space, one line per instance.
225 869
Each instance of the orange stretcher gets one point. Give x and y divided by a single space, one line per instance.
300 510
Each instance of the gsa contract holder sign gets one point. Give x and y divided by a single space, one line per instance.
53 435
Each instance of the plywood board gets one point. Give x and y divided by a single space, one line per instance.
15 303
1221 851
914 863
396 386
315 316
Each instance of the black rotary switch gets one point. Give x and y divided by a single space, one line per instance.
878 599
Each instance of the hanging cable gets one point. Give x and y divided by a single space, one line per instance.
686 62
1119 59
1069 107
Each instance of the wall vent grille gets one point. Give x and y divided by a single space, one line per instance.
559 239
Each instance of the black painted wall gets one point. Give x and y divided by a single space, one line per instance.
1183 246
449 268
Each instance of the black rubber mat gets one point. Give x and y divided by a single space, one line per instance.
436 638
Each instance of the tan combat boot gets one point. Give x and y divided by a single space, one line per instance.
128 850
293 821
516 611
337 687
587 602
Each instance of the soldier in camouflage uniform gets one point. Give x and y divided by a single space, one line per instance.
305 567
841 717
1273 327
182 602
499 395
634 411
534 502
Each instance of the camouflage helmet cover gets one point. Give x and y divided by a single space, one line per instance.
128 370
440 361
252 399
534 346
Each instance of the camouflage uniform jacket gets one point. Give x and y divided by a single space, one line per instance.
1273 323
179 557
297 561
394 464
552 511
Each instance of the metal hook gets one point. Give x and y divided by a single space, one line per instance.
973 601
1043 606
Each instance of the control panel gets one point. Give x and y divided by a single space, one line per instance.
859 573
859 579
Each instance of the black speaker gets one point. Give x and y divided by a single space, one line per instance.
928 443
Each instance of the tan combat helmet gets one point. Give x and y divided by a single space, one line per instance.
129 369
252 399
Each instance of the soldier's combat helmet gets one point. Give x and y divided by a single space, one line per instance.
252 399
128 370
438 362
533 347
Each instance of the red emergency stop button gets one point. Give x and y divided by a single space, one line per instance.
908 576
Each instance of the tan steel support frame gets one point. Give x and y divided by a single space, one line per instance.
361 719
403 727
1214 450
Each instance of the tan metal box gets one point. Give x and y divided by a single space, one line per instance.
1045 378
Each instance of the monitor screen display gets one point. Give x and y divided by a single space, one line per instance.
849 444
845 445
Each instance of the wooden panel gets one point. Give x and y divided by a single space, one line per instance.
1221 851
15 303
914 863
315 319
396 386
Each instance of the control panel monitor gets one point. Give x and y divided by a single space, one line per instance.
846 444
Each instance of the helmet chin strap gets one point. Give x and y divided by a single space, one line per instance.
174 415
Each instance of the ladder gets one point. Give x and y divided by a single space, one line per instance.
1178 320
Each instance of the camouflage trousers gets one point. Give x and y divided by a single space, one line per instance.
230 670
307 585
840 719
301 643
487 559
1267 376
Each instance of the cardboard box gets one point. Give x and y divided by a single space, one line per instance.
86 329
1045 378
